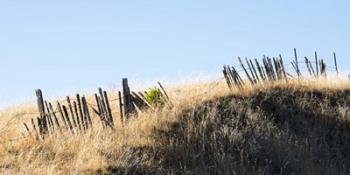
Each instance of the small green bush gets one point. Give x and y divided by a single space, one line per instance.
153 96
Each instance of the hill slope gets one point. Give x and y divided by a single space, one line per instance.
285 128
279 131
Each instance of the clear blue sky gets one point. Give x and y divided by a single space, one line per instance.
67 46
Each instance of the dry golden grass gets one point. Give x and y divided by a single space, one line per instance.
135 144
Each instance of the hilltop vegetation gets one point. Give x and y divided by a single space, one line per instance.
299 127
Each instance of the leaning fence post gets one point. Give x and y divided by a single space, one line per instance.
26 126
335 63
34 128
99 111
49 118
86 112
77 115
282 67
251 71
307 63
254 70
316 62
71 112
55 117
80 110
104 108
227 78
260 70
103 112
108 108
246 72
39 121
120 107
66 115
59 108
296 62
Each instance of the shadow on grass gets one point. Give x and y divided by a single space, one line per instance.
280 131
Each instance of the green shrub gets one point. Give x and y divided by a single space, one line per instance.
154 97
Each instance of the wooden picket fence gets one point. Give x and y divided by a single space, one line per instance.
273 69
75 115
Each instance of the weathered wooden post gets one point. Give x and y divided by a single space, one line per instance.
109 110
77 115
34 128
127 99
276 70
99 111
227 78
86 113
121 107
307 62
251 71
55 117
104 108
237 77
40 102
323 68
282 67
165 95
39 121
80 110
335 63
296 62
232 77
59 107
66 115
317 65
70 106
49 118
260 70
246 72
267 69
27 129
254 70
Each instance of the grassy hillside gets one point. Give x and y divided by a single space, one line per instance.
282 128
